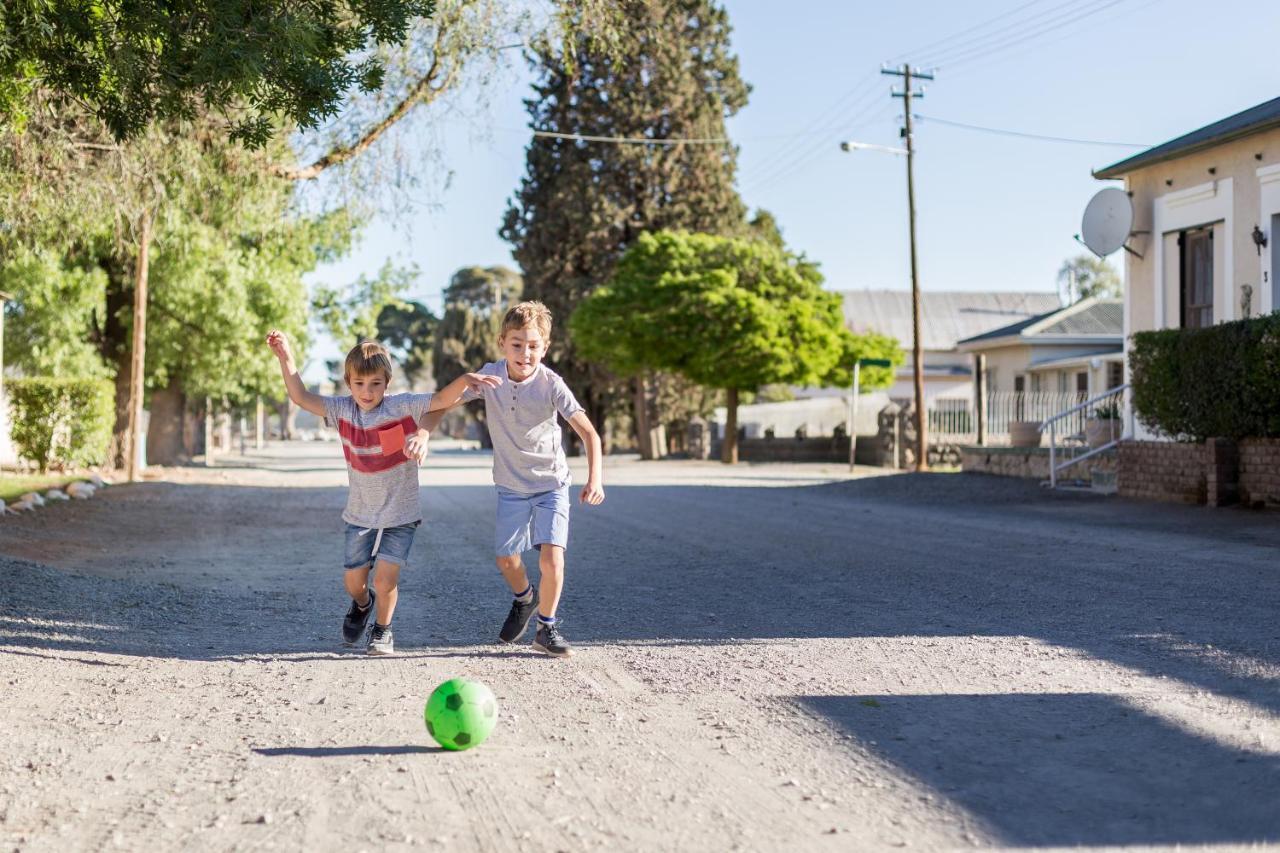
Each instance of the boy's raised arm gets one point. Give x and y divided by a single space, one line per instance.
451 394
298 393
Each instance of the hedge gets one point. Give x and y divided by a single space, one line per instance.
1219 382
61 423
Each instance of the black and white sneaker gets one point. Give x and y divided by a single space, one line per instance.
355 620
549 642
518 619
381 641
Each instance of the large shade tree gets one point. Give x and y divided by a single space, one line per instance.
583 202
730 313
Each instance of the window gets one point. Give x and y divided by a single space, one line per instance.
1062 382
1196 267
1115 374
1035 383
1082 382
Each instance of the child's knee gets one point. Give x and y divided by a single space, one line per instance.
510 563
551 557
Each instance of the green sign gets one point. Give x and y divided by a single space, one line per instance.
874 362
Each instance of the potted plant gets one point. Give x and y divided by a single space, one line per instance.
1024 433
1103 425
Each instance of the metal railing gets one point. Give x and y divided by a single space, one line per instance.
1099 434
954 420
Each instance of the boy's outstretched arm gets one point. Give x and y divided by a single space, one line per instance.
452 393
298 393
593 491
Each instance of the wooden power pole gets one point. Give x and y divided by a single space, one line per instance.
138 357
922 440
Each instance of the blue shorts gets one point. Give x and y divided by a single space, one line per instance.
530 521
392 547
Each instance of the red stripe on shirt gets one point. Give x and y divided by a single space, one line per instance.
369 437
372 463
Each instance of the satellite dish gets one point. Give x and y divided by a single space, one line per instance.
1108 220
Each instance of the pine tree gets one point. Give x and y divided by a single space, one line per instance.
581 204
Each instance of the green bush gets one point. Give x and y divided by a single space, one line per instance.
1219 382
61 423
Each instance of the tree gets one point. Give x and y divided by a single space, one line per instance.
409 330
467 336
730 313
581 204
1086 275
135 62
351 315
227 257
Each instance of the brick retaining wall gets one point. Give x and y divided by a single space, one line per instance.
1163 471
1029 462
1260 472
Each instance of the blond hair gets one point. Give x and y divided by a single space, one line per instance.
367 358
527 314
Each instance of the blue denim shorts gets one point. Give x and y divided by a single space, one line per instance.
530 521
390 544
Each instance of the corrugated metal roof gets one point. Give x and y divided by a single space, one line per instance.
945 318
1104 317
1093 317
1252 120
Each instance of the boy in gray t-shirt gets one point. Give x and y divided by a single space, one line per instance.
383 445
530 472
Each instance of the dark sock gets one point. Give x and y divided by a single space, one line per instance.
381 627
526 596
368 604
546 620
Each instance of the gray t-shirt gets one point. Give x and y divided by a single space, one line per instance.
527 454
384 481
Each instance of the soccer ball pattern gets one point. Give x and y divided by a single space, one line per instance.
460 714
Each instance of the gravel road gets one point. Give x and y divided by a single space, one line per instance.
774 657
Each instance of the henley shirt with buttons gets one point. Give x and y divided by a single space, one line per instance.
521 416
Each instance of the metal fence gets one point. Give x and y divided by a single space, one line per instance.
954 420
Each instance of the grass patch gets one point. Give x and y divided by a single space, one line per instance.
14 485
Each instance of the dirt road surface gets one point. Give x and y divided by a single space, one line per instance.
769 658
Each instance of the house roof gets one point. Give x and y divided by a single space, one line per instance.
1089 318
1112 354
945 318
1262 117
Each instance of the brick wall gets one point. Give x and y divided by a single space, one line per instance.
1260 472
1030 462
1163 471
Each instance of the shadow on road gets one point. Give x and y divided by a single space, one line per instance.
1068 769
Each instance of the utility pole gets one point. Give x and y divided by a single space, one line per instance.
908 74
134 461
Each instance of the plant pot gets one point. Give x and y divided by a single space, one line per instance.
1100 431
1024 433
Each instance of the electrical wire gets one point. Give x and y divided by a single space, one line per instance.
1036 136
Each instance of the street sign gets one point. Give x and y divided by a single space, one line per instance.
874 362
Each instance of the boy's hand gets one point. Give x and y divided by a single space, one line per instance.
279 343
592 493
477 382
416 446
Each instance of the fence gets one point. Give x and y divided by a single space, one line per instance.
954 420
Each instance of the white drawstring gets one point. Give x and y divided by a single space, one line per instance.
377 542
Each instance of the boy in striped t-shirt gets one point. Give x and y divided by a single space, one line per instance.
383 444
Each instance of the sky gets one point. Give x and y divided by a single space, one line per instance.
994 211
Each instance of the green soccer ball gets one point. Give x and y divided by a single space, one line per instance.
460 713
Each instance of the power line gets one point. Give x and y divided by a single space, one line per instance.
951 47
1020 38
1036 136
931 45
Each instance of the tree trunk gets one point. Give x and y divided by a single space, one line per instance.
729 447
166 439
112 337
640 405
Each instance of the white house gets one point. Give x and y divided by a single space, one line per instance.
1206 217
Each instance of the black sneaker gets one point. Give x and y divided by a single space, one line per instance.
549 642
381 641
354 622
518 619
